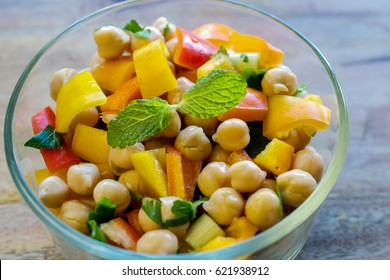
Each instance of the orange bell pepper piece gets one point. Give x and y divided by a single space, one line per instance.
216 33
253 107
119 99
237 156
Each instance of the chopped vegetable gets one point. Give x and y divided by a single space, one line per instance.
96 232
218 243
216 33
219 61
121 233
104 211
47 138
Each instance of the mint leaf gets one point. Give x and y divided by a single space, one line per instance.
166 29
301 88
244 57
96 232
152 208
104 211
47 138
254 77
184 211
138 31
214 94
139 120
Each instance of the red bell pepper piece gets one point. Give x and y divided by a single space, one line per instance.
192 51
55 159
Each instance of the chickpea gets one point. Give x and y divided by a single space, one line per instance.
88 117
173 128
53 191
298 139
218 154
159 241
119 159
213 176
295 186
60 78
111 41
115 192
193 143
171 46
168 29
224 205
309 161
269 184
147 224
132 181
75 214
167 214
246 176
138 42
82 178
279 80
262 208
209 125
232 135
174 95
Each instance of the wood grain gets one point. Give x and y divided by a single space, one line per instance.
354 35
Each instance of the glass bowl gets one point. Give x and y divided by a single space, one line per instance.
74 48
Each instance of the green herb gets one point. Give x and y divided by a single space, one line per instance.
47 138
184 211
140 119
280 197
104 211
138 31
166 29
221 50
96 232
301 88
212 95
136 196
244 57
257 141
253 77
152 208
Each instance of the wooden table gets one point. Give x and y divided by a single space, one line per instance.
354 35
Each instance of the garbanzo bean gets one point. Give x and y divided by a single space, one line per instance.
218 154
60 78
159 241
115 192
75 214
213 176
269 184
246 176
132 181
295 186
173 128
309 161
139 42
147 224
167 28
82 178
279 80
193 143
262 208
174 95
53 191
111 41
232 135
209 125
119 159
167 214
298 139
224 205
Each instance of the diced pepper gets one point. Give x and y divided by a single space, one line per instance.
192 51
90 144
111 74
241 228
121 233
220 61
217 243
154 75
42 174
120 98
237 156
79 93
276 157
216 33
55 159
151 172
182 174
289 112
253 107
133 220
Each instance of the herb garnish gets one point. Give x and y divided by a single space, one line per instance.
104 211
244 57
134 27
47 138
254 77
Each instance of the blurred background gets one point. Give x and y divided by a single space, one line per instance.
354 35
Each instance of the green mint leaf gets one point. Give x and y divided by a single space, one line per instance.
152 208
139 120
184 211
280 198
96 232
104 211
214 94
301 88
47 138
244 57
134 27
257 141
166 29
253 77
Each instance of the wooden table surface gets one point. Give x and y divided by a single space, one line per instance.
354 35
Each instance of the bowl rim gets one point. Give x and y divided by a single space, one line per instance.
258 242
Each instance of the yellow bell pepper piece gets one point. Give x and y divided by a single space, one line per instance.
42 174
79 93
111 74
90 144
241 228
151 171
276 157
220 61
154 75
217 243
288 112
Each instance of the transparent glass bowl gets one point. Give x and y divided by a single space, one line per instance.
74 48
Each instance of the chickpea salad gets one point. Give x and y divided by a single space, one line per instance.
175 141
